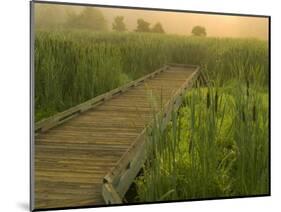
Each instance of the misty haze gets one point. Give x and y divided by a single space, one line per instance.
172 22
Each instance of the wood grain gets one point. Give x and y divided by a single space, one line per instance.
73 157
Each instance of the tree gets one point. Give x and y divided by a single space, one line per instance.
199 31
143 26
118 24
158 28
89 18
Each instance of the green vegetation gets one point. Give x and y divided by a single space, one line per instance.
74 66
216 145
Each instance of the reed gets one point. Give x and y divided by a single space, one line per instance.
218 147
74 66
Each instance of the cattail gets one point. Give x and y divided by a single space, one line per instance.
190 146
254 113
208 100
216 101
248 86
243 116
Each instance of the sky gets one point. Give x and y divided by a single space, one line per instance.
182 23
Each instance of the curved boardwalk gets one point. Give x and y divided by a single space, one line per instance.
72 159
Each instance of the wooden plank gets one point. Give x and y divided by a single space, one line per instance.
167 107
64 116
121 176
110 195
102 148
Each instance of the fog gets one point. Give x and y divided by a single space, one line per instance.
172 22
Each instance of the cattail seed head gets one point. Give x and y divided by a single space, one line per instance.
243 116
190 146
254 113
208 100
248 87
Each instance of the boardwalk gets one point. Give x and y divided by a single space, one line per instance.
88 159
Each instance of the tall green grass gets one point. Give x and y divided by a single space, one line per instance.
215 146
74 66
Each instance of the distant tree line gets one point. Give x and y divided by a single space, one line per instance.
50 17
142 26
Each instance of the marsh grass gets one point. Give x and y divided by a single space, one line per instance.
74 66
215 146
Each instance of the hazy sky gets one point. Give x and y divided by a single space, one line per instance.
182 23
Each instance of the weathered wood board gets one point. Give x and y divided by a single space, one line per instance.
90 154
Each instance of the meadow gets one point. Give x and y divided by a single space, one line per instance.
216 145
73 66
